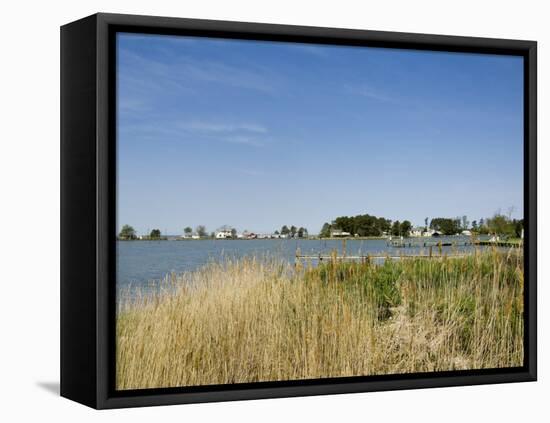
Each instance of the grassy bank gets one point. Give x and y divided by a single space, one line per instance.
263 320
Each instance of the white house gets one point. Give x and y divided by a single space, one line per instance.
416 231
466 232
338 233
431 232
223 234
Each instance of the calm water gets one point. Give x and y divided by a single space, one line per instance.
141 262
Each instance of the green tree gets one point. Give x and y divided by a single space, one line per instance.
426 223
361 225
188 230
293 230
301 232
233 233
482 228
474 225
325 230
201 231
276 232
127 232
501 225
518 227
155 234
405 228
396 228
285 230
465 223
445 225
345 223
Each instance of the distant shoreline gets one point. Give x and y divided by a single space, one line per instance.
361 238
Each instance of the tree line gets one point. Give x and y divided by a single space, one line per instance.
499 224
365 225
129 233
199 230
293 231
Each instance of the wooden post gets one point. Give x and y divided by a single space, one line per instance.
344 248
431 251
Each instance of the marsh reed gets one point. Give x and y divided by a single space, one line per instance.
254 320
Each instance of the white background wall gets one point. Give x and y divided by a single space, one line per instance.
29 208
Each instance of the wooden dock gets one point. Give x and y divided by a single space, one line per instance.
410 243
414 243
325 257
503 243
366 258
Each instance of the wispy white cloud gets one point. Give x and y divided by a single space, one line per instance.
247 134
235 133
217 127
182 71
366 90
150 130
244 140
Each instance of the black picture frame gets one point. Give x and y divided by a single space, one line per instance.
88 200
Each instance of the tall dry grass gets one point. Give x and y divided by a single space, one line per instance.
262 320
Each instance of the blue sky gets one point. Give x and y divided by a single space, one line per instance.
260 134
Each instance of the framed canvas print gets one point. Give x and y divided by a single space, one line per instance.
255 211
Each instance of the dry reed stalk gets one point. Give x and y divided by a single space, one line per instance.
264 320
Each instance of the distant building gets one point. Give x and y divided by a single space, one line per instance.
224 234
247 235
416 231
466 232
334 233
432 232
190 236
